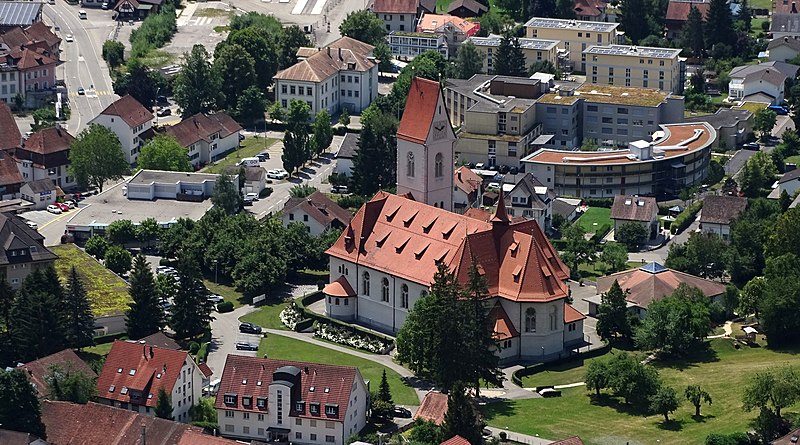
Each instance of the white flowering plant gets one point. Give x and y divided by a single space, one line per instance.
291 316
344 336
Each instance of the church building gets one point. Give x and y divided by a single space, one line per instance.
386 258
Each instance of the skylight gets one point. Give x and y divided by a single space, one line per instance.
132 372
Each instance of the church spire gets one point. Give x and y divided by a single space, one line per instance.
500 215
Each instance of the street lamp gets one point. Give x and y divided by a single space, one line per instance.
216 268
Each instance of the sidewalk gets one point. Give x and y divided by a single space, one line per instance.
519 437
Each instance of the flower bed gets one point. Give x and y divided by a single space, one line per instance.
344 336
291 316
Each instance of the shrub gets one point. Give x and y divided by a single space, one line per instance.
351 201
347 337
202 353
155 32
686 217
600 202
265 192
194 347
225 306
503 435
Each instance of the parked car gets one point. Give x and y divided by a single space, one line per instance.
81 91
244 346
277 174
68 38
247 202
249 328
251 197
105 5
32 225
399 411
339 189
63 207
215 298
263 156
164 112
71 204
53 209
751 146
162 99
779 110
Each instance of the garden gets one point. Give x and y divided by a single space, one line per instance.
594 219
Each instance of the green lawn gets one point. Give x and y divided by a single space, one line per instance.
722 371
108 293
279 347
228 293
157 58
589 271
793 159
101 350
598 215
250 147
267 315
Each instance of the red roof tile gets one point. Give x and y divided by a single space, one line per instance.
575 440
48 141
571 314
154 368
30 57
634 208
339 288
202 127
722 209
456 440
319 207
503 327
10 137
205 369
251 376
9 172
66 359
420 110
433 407
466 180
678 10
130 110
395 6
322 63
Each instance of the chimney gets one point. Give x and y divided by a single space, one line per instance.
459 174
151 352
165 368
144 351
329 51
306 369
794 8
144 435
340 54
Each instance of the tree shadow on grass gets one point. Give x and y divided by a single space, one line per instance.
703 354
672 425
702 419
609 401
500 408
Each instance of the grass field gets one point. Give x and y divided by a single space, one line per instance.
267 315
793 159
722 370
249 148
279 347
108 293
158 58
594 218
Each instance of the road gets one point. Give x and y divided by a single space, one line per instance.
83 65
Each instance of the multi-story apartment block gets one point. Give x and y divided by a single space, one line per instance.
130 121
282 401
342 75
574 36
407 45
45 155
677 158
635 66
400 15
610 116
23 250
535 50
134 373
206 137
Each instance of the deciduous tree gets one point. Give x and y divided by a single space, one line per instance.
251 106
597 376
613 318
236 70
781 296
226 196
69 385
163 152
614 256
197 86
96 246
20 410
296 138
632 234
765 120
118 260
323 131
775 388
757 175
113 53
676 324
95 157
121 232
664 401
363 25
696 396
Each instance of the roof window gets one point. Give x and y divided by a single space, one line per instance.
327 390
124 390
244 381
258 383
158 375
311 389
132 372
111 388
119 370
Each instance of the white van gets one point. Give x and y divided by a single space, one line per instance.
82 14
249 162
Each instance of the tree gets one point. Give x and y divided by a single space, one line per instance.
745 16
64 383
703 255
719 25
597 376
425 432
20 410
565 9
692 36
39 324
140 82
479 333
633 17
344 117
613 318
79 321
375 162
461 417
781 295
578 249
236 70
676 324
632 380
614 256
765 120
147 231
774 388
118 260
191 311
632 234
757 175
469 61
113 53
276 112
541 8
144 316
751 296
96 246
323 131
251 106
121 232
785 236
197 86
225 195
163 152
364 26
383 53
96 156
203 411
263 44
296 138
696 396
43 118
785 201
163 409
384 392
509 59
292 39
664 401
302 191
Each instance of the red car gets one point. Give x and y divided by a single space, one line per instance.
63 207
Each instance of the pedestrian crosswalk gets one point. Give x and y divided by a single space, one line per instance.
91 93
199 21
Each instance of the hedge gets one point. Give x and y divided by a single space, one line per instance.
225 306
601 233
304 302
517 375
304 324
686 217
600 202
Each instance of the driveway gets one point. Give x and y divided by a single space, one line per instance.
224 335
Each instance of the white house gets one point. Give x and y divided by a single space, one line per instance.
41 193
342 75
255 178
130 121
134 373
783 49
760 83
316 212
282 401
45 155
718 212
347 153
531 199
207 137
397 15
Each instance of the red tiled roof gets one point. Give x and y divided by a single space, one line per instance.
722 209
571 314
503 327
205 369
10 136
9 172
432 408
588 8
434 22
66 359
130 110
574 440
456 440
339 288
420 110
48 141
485 215
41 32
202 127
30 58
407 239
251 376
678 10
319 207
395 6
326 62
634 208
154 367
466 180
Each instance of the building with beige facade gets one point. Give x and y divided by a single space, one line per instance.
635 66
23 252
574 36
535 50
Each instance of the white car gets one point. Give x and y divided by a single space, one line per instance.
251 197
32 225
68 38
277 174
53 209
70 204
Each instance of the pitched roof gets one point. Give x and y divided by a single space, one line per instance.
130 110
17 38
202 127
133 369
29 57
742 71
789 176
339 288
432 408
343 54
456 440
653 282
434 22
503 328
10 137
634 208
8 437
470 5
588 8
205 370
785 22
19 13
161 340
96 424
319 207
466 180
41 185
254 174
251 377
791 42
349 146
48 140
9 171
563 208
486 216
66 359
407 239
574 440
352 44
395 6
539 193
722 209
15 234
678 10
41 32
423 97
571 314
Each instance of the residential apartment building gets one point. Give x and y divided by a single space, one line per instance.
27 72
342 75
635 66
535 50
317 212
407 45
733 126
677 158
610 116
283 401
45 155
574 36
134 373
206 137
130 121
532 200
23 250
397 15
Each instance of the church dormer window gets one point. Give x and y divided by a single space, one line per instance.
410 164
439 166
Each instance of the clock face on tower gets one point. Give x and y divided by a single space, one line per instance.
439 130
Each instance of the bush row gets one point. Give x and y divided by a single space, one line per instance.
685 218
156 31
